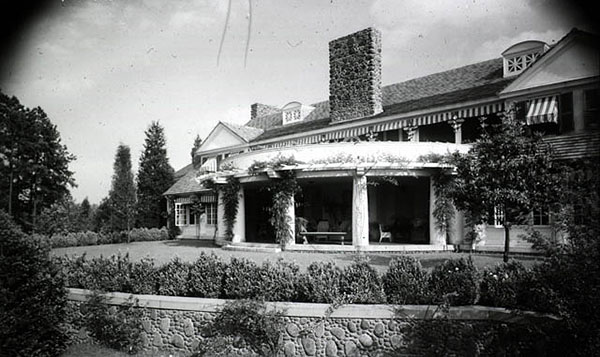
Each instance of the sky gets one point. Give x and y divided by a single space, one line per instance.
103 70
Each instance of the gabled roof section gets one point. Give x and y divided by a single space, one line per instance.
186 184
576 56
183 171
245 132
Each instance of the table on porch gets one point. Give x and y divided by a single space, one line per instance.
329 236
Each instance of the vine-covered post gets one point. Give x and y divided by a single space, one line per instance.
291 221
360 210
221 223
436 236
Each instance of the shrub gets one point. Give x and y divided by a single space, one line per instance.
320 283
172 278
32 295
75 270
63 240
110 274
502 285
278 281
143 276
361 284
250 324
116 327
241 279
206 276
406 281
146 235
455 281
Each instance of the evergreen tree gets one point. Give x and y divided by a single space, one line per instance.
85 215
197 143
154 177
122 197
34 165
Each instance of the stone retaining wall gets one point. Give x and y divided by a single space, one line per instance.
175 324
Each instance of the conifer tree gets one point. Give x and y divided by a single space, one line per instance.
122 193
197 143
155 176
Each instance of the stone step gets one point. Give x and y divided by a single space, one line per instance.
253 247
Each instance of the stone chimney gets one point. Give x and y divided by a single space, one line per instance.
355 75
258 110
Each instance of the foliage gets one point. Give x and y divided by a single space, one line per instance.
116 327
455 281
142 277
320 283
32 295
444 211
405 281
155 176
278 281
241 279
206 276
64 216
172 278
361 284
283 191
511 170
93 238
503 285
446 337
252 323
122 196
196 146
231 200
34 164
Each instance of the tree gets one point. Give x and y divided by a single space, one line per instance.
61 217
84 216
33 297
34 165
122 198
155 176
509 170
197 144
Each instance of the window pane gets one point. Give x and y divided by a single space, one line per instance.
591 109
565 112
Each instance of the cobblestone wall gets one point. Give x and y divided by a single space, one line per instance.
355 75
177 324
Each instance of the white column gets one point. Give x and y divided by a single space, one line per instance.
291 219
239 227
221 226
360 211
435 236
457 126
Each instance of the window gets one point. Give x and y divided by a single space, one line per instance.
180 215
496 217
210 210
541 217
565 112
590 115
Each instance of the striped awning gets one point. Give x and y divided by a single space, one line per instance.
204 198
543 110
210 165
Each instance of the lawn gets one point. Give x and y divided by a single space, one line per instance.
188 250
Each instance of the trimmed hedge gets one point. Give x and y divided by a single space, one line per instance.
454 282
92 238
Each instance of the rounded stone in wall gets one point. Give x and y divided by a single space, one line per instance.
309 345
157 339
396 341
289 349
177 341
144 339
292 329
165 322
379 330
195 344
351 326
319 330
338 332
350 349
365 340
188 327
331 349
147 326
392 325
365 325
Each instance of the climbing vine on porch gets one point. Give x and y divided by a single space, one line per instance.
230 196
444 211
283 190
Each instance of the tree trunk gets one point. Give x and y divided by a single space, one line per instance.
506 242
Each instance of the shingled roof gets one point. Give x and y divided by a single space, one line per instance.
243 131
476 81
186 184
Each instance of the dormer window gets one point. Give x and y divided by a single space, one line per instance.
519 57
295 112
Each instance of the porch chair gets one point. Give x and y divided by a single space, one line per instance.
384 234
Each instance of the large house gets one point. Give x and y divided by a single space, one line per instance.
364 159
